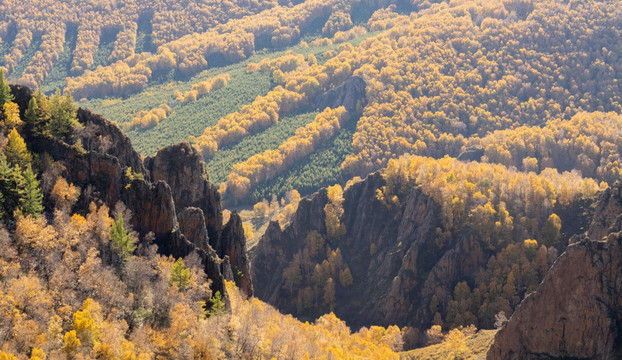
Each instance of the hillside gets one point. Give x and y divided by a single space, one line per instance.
78 279
586 321
108 256
444 242
371 176
456 344
447 74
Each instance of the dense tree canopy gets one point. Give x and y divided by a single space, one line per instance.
84 285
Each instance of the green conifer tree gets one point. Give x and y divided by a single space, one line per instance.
31 112
32 203
121 240
63 114
5 90
218 306
180 275
12 187
43 105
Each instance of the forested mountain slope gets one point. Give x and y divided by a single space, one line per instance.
444 151
439 76
106 256
443 242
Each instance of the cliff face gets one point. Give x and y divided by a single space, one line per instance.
169 195
577 310
182 168
232 245
396 267
607 214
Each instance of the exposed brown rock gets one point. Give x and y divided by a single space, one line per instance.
178 246
607 213
182 167
392 286
154 199
232 244
192 225
101 135
351 95
576 311
152 206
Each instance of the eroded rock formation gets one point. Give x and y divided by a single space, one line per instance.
182 167
577 310
607 213
394 282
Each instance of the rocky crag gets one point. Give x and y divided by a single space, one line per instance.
182 168
169 194
351 95
394 282
577 310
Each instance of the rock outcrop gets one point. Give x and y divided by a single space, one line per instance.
192 225
182 167
351 95
394 282
607 213
577 310
232 245
169 195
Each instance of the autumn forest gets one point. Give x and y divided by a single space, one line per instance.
356 178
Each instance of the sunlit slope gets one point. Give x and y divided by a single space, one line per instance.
438 76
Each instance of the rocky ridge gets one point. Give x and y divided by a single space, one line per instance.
182 167
392 285
169 195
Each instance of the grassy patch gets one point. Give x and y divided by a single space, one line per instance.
192 118
477 345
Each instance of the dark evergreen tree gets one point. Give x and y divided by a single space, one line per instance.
5 90
180 275
218 306
12 187
63 118
32 203
31 112
43 106
121 240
